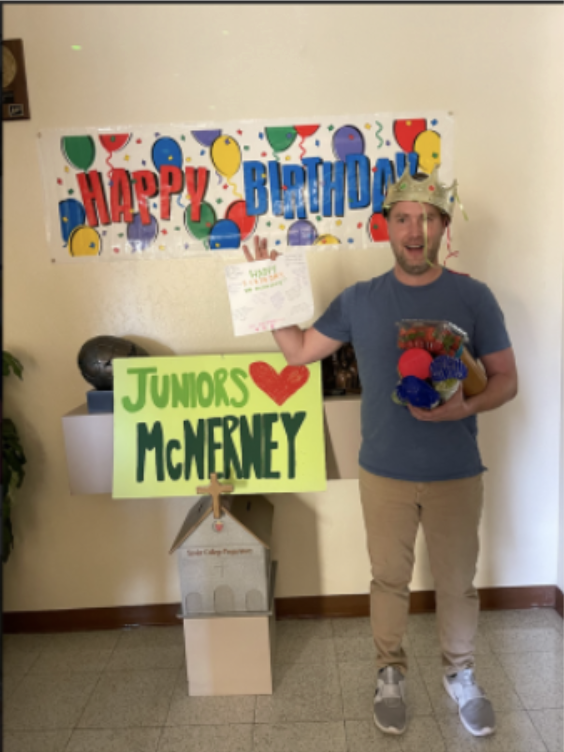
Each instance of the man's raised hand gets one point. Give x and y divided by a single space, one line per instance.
261 251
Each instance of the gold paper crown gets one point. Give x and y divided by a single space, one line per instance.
429 191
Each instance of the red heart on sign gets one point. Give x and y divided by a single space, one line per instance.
279 386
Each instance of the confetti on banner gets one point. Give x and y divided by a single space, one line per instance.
377 134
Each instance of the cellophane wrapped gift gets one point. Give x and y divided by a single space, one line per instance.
431 376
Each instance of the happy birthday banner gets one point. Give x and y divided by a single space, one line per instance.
177 190
249 418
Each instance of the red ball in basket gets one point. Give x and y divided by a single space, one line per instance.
415 362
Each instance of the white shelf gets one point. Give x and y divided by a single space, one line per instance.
89 443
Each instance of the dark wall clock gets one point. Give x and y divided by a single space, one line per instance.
15 105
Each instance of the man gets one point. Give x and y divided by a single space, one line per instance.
417 466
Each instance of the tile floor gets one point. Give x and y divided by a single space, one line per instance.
125 691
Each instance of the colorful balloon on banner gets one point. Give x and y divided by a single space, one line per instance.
140 236
166 152
305 131
84 241
224 234
347 140
79 151
72 214
202 228
407 130
327 240
206 138
302 232
281 138
377 228
428 146
237 212
114 141
226 156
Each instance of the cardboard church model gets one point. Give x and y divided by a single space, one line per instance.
223 552
227 590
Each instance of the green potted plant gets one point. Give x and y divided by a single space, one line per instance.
13 461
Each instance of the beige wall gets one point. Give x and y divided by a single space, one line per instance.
497 68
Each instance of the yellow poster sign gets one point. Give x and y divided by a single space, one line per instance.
252 419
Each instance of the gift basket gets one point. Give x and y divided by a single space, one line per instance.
433 363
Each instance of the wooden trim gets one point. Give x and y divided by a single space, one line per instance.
558 605
86 619
540 596
422 602
306 607
322 606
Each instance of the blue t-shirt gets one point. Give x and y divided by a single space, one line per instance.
394 443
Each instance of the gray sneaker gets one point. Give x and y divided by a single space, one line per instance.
389 701
475 710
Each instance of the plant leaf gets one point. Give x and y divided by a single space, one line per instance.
7 531
11 364
13 461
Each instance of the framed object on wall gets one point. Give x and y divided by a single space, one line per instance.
15 105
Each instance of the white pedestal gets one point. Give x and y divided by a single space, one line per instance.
342 436
231 655
89 444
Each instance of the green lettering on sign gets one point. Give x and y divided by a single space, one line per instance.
179 419
251 444
139 404
149 441
292 425
194 444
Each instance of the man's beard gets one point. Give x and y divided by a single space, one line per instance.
417 269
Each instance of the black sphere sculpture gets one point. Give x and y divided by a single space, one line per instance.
96 356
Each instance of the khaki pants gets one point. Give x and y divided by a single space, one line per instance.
449 512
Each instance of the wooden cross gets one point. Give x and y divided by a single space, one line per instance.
215 489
